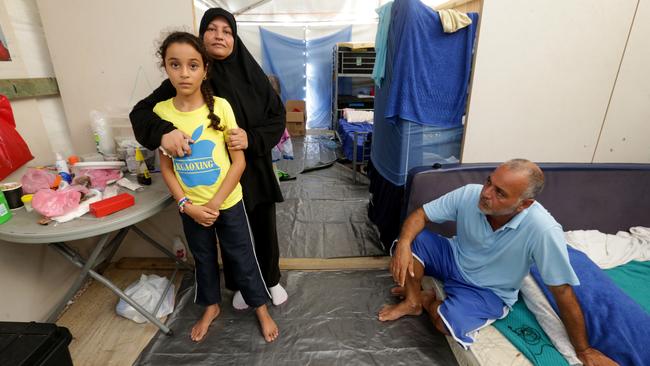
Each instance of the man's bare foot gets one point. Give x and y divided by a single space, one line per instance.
428 298
201 327
270 330
397 291
393 312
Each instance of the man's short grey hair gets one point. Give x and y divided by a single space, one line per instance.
534 173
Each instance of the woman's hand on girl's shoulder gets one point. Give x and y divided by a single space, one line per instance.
201 214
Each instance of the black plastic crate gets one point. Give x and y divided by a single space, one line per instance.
27 344
349 101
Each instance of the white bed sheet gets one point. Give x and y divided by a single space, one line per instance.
490 348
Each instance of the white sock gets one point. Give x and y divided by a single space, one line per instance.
238 301
278 294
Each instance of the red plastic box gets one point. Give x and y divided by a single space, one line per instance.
109 205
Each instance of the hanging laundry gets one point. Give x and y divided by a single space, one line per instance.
453 20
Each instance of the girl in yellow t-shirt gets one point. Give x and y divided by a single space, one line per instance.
206 184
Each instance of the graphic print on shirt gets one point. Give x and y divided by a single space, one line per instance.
198 169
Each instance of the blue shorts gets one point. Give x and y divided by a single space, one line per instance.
467 307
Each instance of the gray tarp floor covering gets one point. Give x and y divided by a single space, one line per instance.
324 215
329 319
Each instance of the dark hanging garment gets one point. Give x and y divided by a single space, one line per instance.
258 110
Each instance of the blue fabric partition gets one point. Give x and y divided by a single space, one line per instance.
433 67
319 77
305 70
285 58
412 127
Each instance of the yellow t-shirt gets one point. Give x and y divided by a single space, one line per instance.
201 174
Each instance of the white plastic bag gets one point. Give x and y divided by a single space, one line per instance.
284 148
147 292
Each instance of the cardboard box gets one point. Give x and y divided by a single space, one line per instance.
295 106
296 117
296 128
296 123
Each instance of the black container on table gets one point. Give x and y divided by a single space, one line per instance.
13 191
26 344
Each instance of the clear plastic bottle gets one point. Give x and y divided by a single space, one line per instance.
61 164
179 249
102 132
62 168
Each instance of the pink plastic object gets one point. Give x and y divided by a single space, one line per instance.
100 177
51 203
36 179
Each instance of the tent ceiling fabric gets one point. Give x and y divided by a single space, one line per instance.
350 11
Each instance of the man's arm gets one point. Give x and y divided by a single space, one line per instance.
402 260
149 129
574 322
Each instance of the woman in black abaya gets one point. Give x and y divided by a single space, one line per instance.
235 76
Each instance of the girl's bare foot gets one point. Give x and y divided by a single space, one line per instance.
270 330
201 327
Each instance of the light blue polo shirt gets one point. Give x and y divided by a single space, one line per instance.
499 260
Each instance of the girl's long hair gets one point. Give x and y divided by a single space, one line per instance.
206 89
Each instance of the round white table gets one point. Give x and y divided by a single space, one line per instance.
23 227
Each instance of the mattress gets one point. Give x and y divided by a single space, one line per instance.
490 348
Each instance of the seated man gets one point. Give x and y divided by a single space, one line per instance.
501 232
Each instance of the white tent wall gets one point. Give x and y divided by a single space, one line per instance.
624 136
250 33
545 80
288 11
32 277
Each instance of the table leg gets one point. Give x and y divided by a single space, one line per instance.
354 157
61 248
76 259
160 247
114 246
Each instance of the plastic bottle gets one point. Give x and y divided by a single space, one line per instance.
143 175
61 164
62 168
102 132
179 249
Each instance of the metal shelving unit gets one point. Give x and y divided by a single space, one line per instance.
356 64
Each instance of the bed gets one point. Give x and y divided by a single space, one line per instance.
355 141
353 135
603 197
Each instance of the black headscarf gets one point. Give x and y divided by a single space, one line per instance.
258 109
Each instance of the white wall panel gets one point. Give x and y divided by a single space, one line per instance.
543 76
104 54
626 132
